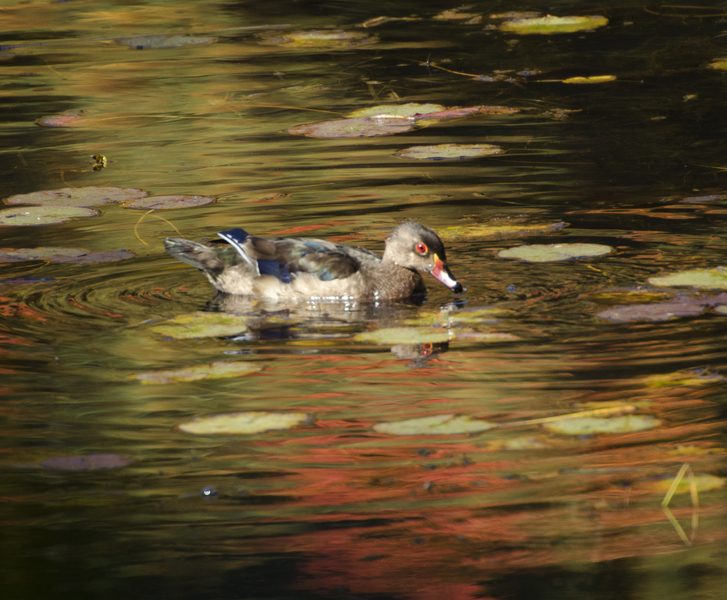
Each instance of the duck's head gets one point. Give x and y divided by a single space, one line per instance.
413 246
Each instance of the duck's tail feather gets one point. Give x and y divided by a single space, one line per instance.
236 238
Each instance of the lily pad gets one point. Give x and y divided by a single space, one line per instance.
686 377
396 110
704 199
450 151
43 215
699 278
62 255
68 118
589 80
84 197
156 42
328 39
446 318
202 324
550 25
665 311
169 202
89 462
591 425
435 425
485 337
554 252
719 63
404 335
704 482
498 229
246 422
216 370
456 14
354 128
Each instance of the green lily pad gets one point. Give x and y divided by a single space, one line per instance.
550 25
590 425
411 109
43 215
704 482
156 42
202 324
246 422
216 370
699 278
435 425
555 252
328 39
83 197
686 377
89 462
665 311
404 335
450 151
354 128
498 229
447 318
62 255
169 202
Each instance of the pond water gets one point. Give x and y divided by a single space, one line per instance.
105 490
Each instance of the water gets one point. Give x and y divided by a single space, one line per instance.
333 508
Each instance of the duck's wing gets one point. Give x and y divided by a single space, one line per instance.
282 257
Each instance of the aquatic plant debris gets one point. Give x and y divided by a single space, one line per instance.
715 278
63 255
550 25
665 311
157 42
590 80
203 324
555 252
324 39
43 215
215 370
589 425
83 196
88 462
685 377
410 109
450 151
405 335
168 202
245 422
499 228
448 424
703 481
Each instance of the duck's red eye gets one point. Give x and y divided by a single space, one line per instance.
421 248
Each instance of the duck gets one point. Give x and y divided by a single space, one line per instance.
309 269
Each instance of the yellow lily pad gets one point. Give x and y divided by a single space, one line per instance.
719 63
435 425
328 39
592 79
216 370
410 109
202 324
450 151
554 252
245 422
699 278
550 25
404 335
591 425
704 482
686 377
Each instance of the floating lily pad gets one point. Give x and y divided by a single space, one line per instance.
590 425
328 39
687 377
156 42
592 79
358 127
89 462
699 278
704 482
456 14
719 63
376 21
216 370
62 255
521 443
396 110
665 311
450 151
246 422
169 202
404 335
549 25
435 425
43 215
554 252
201 324
704 199
498 229
83 197
68 118
621 296
446 318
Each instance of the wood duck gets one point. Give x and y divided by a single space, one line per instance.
302 268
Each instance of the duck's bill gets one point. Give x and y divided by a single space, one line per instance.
442 273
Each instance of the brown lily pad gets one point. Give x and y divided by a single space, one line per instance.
168 202
84 196
355 128
43 215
